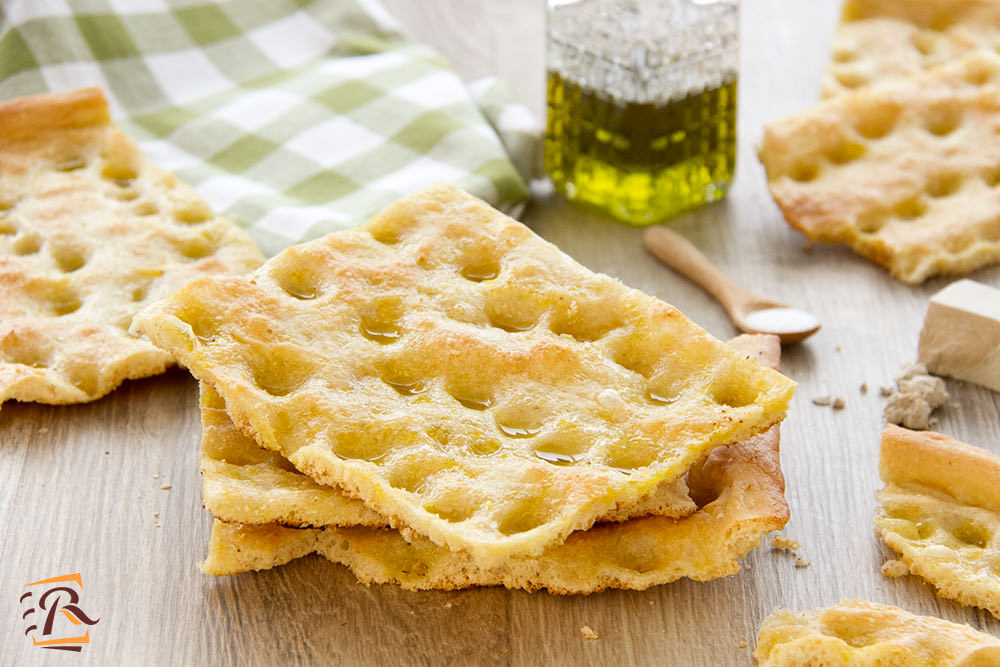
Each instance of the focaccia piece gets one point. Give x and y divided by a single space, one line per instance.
886 40
243 483
940 509
91 232
463 377
906 173
857 633
739 489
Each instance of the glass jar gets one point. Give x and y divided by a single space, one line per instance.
641 97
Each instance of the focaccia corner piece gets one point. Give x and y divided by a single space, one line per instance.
906 173
463 377
885 40
739 491
857 633
940 509
90 232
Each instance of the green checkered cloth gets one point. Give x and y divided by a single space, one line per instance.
296 117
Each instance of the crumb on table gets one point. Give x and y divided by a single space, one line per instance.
784 543
588 633
894 568
802 563
822 400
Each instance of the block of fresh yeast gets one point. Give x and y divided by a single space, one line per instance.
961 333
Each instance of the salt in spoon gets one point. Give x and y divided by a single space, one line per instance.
750 312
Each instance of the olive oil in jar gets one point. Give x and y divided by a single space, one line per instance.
640 131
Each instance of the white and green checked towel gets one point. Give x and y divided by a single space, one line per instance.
296 117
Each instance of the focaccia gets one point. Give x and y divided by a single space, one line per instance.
906 173
940 509
463 377
90 232
885 40
739 490
857 633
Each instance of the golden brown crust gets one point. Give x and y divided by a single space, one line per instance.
941 511
857 633
90 232
29 119
968 474
740 486
904 173
463 377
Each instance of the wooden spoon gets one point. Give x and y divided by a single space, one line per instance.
750 312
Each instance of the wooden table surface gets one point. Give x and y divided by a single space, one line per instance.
80 486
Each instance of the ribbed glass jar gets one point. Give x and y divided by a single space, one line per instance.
642 103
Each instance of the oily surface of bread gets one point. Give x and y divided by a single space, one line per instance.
940 509
739 490
906 173
463 377
244 483
858 633
884 40
90 232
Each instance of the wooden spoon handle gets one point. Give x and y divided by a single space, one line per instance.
679 254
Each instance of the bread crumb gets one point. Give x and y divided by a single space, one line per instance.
156 475
894 569
837 349
588 633
506 651
156 515
918 394
864 387
822 400
885 391
743 643
105 452
448 605
838 403
164 487
802 563
784 543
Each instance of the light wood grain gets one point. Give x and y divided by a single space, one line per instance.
67 506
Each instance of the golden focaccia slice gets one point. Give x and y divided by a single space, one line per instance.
90 232
463 377
885 40
858 633
739 489
243 483
940 509
906 173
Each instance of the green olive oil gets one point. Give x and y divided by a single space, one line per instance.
640 161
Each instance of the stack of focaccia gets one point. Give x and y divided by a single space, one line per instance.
441 399
900 160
